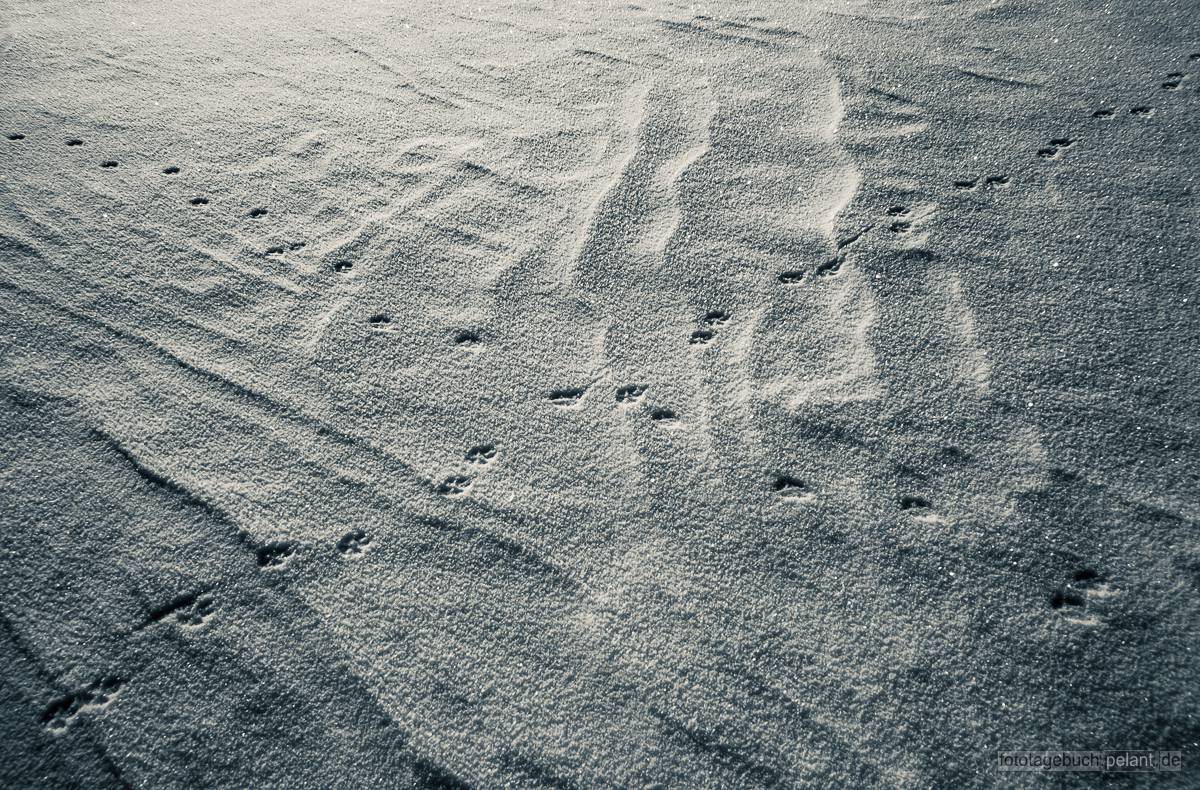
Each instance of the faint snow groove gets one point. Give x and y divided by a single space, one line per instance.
1002 80
407 82
161 481
223 382
508 550
693 27
604 56
724 754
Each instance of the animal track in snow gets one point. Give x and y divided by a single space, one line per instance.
701 337
190 610
831 266
1104 112
109 163
1173 81
466 338
792 489
170 170
280 249
566 397
1084 592
792 277
630 393
454 485
1055 148
919 508
196 612
276 554
74 141
965 184
914 503
380 321
199 201
16 136
900 226
481 454
256 212
1142 112
996 182
717 317
343 266
96 697
660 414
353 543
898 211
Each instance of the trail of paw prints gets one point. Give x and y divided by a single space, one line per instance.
280 249
708 326
1173 81
830 267
1081 600
478 457
1140 111
95 698
988 183
170 170
630 394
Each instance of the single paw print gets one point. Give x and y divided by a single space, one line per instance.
1055 148
353 543
275 555
466 338
481 454
454 485
717 317
1173 81
96 697
630 393
831 266
1081 600
792 489
566 397
197 613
